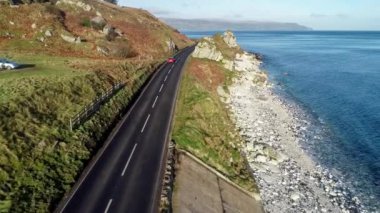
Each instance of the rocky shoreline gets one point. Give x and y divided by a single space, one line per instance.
288 179
274 130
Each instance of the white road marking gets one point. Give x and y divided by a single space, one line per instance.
108 206
154 103
146 121
129 160
166 78
162 85
169 71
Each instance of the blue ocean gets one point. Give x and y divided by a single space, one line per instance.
335 77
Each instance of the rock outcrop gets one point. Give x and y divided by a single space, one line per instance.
228 64
98 22
230 39
71 39
171 46
80 4
242 62
207 49
48 33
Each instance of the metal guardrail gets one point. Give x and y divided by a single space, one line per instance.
93 107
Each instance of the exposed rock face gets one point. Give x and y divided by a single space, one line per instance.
228 64
170 46
243 61
99 21
79 4
207 49
230 39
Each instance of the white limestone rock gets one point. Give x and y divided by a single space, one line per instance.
230 39
246 62
170 45
228 64
79 4
207 49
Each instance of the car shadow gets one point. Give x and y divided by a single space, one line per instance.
23 66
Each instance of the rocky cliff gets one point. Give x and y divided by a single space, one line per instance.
224 49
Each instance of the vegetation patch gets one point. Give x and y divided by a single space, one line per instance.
203 126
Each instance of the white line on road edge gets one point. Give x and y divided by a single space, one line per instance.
169 71
146 121
166 78
129 160
154 103
108 206
162 85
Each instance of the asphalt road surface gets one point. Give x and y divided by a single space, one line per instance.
126 175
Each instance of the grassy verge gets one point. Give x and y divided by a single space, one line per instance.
202 124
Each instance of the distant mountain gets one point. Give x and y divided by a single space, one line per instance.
217 25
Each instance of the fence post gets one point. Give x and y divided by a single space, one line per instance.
97 102
71 125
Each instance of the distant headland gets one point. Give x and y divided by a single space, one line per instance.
221 25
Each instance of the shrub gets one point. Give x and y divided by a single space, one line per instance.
124 51
86 22
53 10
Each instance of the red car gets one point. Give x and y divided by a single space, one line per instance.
171 60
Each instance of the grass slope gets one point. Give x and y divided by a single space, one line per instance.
202 124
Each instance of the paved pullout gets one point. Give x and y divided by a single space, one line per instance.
199 188
125 176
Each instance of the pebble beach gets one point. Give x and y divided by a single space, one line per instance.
287 177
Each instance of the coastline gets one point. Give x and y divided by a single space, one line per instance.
288 179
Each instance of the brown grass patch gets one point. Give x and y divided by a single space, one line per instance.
208 73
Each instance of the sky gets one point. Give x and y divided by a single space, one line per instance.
317 14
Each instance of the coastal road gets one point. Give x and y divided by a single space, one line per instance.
126 174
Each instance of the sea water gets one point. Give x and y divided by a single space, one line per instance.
335 77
